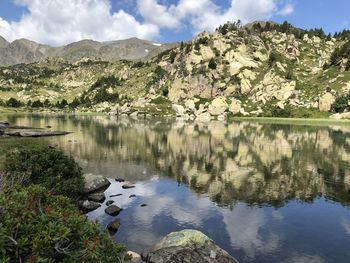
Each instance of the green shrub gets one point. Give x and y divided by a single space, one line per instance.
212 64
138 64
37 104
36 226
172 56
47 167
165 90
13 103
341 104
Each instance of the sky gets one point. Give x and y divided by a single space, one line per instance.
59 22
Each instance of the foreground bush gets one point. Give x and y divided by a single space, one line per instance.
50 168
36 226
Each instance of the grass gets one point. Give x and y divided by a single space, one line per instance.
295 121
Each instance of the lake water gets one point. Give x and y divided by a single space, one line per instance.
264 192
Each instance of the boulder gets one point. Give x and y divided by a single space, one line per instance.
2 132
4 124
187 246
88 206
190 104
218 106
97 197
179 109
113 210
341 116
134 256
326 101
235 106
113 226
280 105
203 117
94 183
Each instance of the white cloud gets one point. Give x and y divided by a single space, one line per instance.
286 10
157 14
206 15
60 22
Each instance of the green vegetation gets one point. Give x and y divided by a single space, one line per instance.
38 219
47 167
292 112
341 53
14 103
212 64
37 226
341 104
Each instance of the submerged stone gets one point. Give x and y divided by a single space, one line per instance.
108 203
113 226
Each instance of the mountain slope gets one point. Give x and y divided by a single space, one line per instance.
260 70
26 51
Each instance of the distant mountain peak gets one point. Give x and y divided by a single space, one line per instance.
27 51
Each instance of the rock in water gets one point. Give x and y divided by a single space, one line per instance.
128 186
35 133
113 226
88 206
187 246
97 197
113 210
4 124
1 132
108 203
120 180
94 183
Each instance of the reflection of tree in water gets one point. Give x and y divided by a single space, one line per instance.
263 164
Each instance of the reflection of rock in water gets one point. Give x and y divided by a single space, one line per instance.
256 163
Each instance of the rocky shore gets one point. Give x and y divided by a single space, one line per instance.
186 246
6 129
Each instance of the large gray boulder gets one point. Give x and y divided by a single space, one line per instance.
95 183
187 246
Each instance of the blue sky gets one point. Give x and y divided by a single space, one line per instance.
59 22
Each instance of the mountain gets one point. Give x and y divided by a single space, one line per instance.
264 69
26 51
3 42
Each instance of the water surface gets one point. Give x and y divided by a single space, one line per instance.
264 192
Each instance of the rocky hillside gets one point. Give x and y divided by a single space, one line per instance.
264 69
26 51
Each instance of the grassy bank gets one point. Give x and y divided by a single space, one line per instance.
294 121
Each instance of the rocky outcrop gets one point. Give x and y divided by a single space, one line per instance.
218 106
187 246
326 101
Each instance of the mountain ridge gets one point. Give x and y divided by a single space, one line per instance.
27 51
270 70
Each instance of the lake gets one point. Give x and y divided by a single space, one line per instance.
265 192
